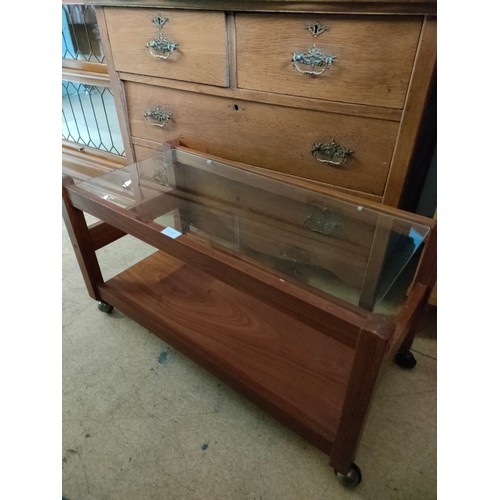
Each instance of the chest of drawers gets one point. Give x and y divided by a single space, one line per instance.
330 92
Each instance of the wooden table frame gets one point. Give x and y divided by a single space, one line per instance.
365 341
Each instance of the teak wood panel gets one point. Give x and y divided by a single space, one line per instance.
287 360
273 137
200 57
374 56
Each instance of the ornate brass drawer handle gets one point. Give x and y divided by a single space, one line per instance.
323 220
313 58
157 116
296 255
292 258
161 47
331 153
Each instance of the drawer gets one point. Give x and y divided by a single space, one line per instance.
373 56
199 56
274 137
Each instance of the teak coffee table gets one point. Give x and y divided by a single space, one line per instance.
294 296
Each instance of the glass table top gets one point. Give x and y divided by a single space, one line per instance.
326 244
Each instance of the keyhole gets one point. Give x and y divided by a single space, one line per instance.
235 107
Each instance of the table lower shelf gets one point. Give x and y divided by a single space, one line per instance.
293 371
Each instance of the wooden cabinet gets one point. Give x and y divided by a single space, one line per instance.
330 92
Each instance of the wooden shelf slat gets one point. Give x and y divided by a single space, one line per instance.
297 373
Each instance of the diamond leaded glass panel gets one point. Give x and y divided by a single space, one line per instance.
80 34
89 117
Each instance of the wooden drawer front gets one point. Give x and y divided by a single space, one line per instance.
269 136
372 65
201 55
144 153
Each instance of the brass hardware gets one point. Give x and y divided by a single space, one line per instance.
186 222
160 174
316 29
157 116
159 21
296 255
161 47
323 220
293 257
331 153
315 58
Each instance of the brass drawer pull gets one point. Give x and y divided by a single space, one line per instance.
323 220
157 116
161 47
296 255
331 153
292 260
314 58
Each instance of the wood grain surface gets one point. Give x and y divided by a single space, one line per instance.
274 137
374 56
292 364
200 57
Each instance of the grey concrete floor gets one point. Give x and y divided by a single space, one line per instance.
142 421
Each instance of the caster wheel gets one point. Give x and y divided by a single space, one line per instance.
104 306
352 478
405 360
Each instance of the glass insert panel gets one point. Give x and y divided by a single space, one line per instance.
89 117
80 34
340 249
